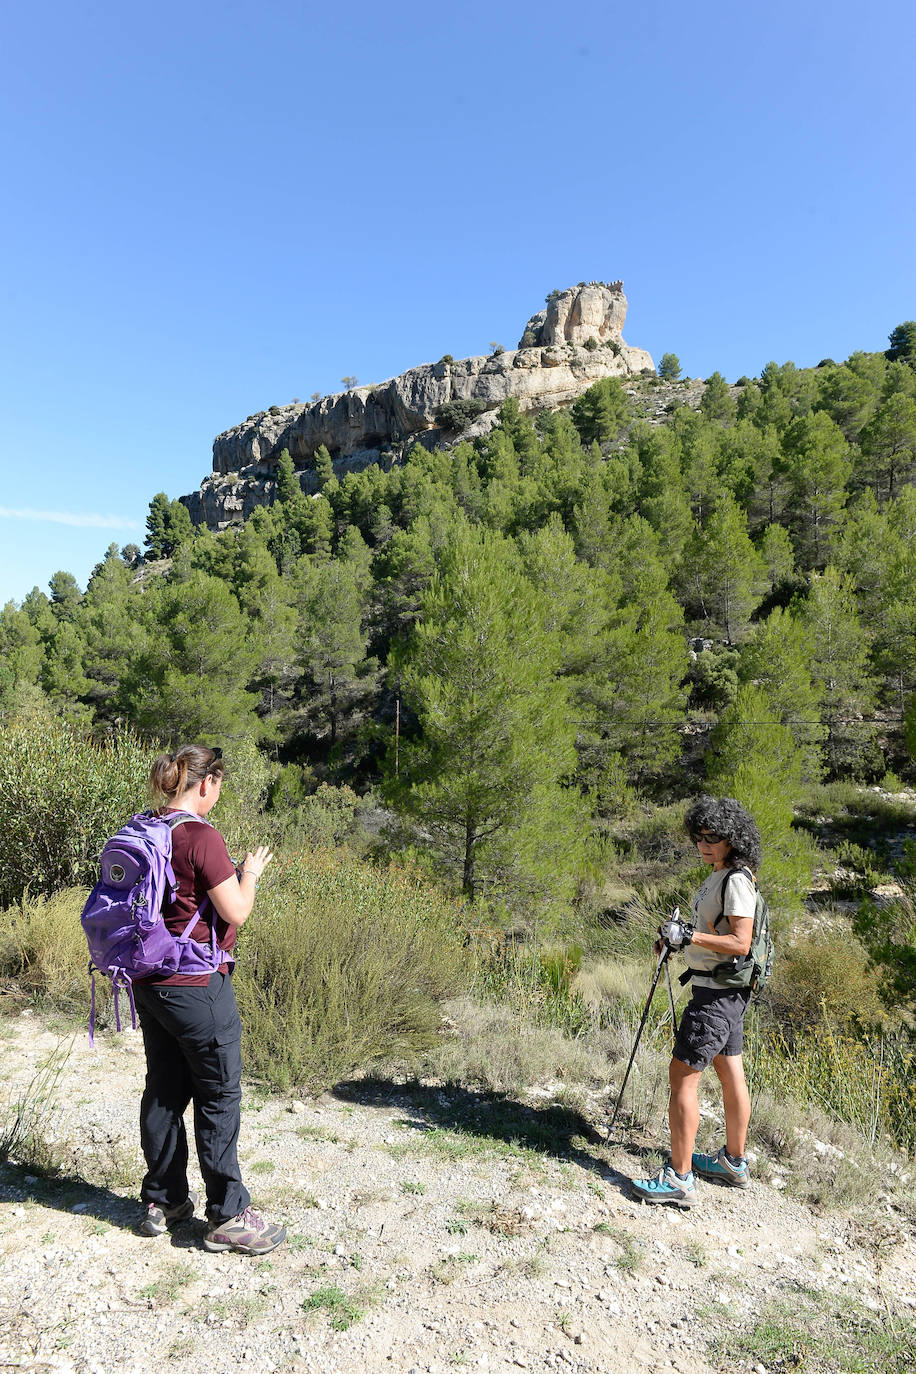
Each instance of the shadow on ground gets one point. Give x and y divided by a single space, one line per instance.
554 1130
68 1193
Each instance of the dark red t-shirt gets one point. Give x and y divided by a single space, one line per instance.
200 861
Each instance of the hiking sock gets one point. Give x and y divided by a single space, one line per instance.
734 1160
682 1177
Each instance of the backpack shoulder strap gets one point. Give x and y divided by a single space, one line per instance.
730 872
173 821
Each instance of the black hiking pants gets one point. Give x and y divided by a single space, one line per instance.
192 1037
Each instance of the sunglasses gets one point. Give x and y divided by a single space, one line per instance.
217 754
708 837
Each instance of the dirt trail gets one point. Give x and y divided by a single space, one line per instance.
430 1247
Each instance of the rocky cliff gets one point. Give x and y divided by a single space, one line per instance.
564 349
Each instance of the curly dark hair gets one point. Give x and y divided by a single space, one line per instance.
725 816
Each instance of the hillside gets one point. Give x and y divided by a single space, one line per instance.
423 1238
564 349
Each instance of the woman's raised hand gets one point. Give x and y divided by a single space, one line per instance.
256 863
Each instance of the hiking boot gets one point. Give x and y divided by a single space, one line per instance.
248 1233
667 1187
158 1219
720 1168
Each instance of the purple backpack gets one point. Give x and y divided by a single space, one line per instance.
122 918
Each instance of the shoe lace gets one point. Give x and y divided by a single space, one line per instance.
252 1219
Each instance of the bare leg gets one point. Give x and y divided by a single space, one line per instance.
736 1100
683 1113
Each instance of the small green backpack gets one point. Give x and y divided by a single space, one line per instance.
754 968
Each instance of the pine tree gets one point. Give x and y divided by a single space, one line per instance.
190 681
601 411
288 486
722 573
484 774
902 340
338 678
817 467
21 655
113 631
65 595
157 526
324 466
889 446
753 758
840 649
716 402
778 659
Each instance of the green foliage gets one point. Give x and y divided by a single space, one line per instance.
716 402
457 415
902 343
713 680
601 411
25 1123
888 931
288 486
190 679
812 1332
723 572
863 1080
753 758
839 662
341 964
61 796
824 975
43 949
669 367
485 774
168 527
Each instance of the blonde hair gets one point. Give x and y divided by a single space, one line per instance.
172 774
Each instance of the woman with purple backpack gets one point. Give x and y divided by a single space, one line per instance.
190 1021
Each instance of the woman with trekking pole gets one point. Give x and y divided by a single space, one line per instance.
190 1021
712 1025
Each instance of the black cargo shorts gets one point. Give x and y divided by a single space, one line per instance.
712 1023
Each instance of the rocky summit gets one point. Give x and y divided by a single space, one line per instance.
564 349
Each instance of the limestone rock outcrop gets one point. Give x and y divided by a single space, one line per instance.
567 347
587 314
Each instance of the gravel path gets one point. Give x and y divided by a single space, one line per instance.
414 1246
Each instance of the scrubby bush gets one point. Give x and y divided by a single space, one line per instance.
457 415
825 974
43 952
342 964
61 796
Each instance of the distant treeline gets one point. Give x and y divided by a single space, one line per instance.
504 636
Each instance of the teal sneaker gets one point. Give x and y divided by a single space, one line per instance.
666 1188
720 1169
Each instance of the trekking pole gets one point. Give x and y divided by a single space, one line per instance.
671 1000
662 959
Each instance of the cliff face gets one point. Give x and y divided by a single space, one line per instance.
575 342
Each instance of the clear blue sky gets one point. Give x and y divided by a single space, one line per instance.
212 208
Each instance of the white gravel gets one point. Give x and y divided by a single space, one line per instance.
456 1251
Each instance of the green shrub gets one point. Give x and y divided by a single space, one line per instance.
824 975
858 874
339 965
865 1082
457 415
43 951
61 796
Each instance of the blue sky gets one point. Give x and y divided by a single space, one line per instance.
212 208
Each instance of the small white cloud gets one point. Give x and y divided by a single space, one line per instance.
59 517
